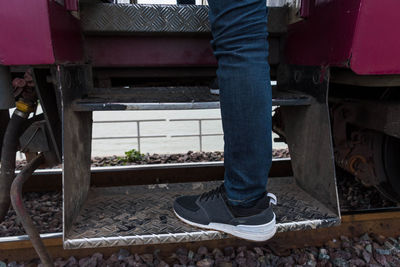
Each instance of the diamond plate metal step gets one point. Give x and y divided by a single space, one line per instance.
141 18
134 215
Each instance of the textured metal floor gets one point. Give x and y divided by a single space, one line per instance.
143 18
120 216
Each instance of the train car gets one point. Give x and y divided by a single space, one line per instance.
336 64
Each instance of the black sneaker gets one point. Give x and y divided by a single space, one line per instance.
211 210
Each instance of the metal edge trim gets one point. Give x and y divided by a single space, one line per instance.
303 225
316 223
7 239
141 239
193 236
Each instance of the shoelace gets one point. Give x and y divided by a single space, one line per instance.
211 194
272 199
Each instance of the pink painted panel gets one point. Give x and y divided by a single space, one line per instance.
38 32
149 51
325 36
25 33
66 35
376 45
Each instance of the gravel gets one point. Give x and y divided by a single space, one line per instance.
366 250
353 195
190 156
46 208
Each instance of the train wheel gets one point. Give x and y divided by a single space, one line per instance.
391 166
372 157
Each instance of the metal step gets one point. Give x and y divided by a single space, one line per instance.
125 19
96 217
172 98
134 215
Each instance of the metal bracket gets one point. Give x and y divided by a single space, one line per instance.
34 139
308 133
73 82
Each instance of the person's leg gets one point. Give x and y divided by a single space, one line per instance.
240 206
239 31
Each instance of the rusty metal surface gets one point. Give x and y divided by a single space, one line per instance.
22 213
136 18
172 98
122 216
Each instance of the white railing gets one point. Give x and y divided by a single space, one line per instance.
139 136
200 135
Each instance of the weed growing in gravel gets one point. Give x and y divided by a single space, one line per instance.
132 156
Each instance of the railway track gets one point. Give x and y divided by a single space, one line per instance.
51 179
385 221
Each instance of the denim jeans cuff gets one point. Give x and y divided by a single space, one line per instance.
243 202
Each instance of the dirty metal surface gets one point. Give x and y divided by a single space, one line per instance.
142 18
311 148
133 215
73 81
154 98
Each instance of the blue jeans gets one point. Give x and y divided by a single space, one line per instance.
239 29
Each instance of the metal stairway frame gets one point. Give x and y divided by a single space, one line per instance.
308 132
301 93
315 175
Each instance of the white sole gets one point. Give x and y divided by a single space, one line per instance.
256 233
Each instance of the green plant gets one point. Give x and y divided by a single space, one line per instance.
132 156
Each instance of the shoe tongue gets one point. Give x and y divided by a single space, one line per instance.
215 192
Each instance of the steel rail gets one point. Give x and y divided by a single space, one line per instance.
383 223
380 221
50 179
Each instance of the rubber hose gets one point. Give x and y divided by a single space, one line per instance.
15 128
4 119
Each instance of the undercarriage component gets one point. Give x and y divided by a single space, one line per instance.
277 125
371 156
6 99
4 119
25 105
14 130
